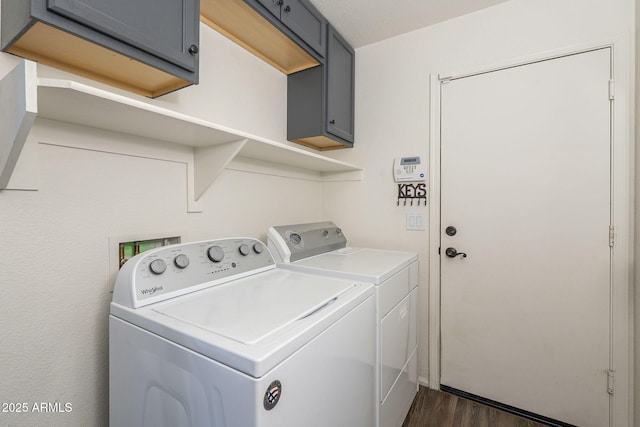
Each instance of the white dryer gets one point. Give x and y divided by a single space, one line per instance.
213 334
321 248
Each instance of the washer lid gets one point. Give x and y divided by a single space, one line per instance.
254 323
250 311
370 265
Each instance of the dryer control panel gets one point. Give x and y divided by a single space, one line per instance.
298 241
174 270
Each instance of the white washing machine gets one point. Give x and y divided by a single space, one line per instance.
321 248
213 334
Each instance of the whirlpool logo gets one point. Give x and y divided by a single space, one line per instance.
272 395
151 291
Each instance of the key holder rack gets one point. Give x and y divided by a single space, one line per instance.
412 193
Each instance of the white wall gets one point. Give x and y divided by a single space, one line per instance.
54 256
55 270
392 104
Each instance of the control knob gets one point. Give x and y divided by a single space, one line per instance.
244 250
295 238
258 248
215 253
158 266
181 261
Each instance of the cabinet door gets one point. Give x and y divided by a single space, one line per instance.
340 86
306 22
167 29
272 6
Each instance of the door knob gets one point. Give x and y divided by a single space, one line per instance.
451 230
452 253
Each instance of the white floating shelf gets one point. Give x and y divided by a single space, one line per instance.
72 102
214 145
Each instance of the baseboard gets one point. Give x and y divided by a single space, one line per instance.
423 381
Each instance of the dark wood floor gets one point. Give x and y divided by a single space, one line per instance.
433 408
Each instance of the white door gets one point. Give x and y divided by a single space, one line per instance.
525 161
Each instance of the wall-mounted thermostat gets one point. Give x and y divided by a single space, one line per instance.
407 169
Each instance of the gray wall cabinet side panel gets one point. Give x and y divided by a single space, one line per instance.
160 27
15 20
340 87
307 22
305 109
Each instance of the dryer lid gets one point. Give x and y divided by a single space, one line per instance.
369 265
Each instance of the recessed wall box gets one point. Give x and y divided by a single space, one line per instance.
127 250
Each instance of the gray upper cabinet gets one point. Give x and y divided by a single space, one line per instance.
273 6
299 19
145 46
340 87
256 26
305 20
159 30
320 100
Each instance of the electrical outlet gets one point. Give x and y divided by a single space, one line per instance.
415 221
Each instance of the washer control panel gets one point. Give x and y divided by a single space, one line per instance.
169 271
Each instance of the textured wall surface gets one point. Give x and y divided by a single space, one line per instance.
393 110
55 263
55 269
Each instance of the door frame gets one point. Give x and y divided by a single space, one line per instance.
622 182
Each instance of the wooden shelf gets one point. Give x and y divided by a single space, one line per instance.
214 146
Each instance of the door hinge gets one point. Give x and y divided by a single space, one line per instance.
612 90
612 235
610 381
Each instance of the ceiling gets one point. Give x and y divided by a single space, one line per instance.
363 22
